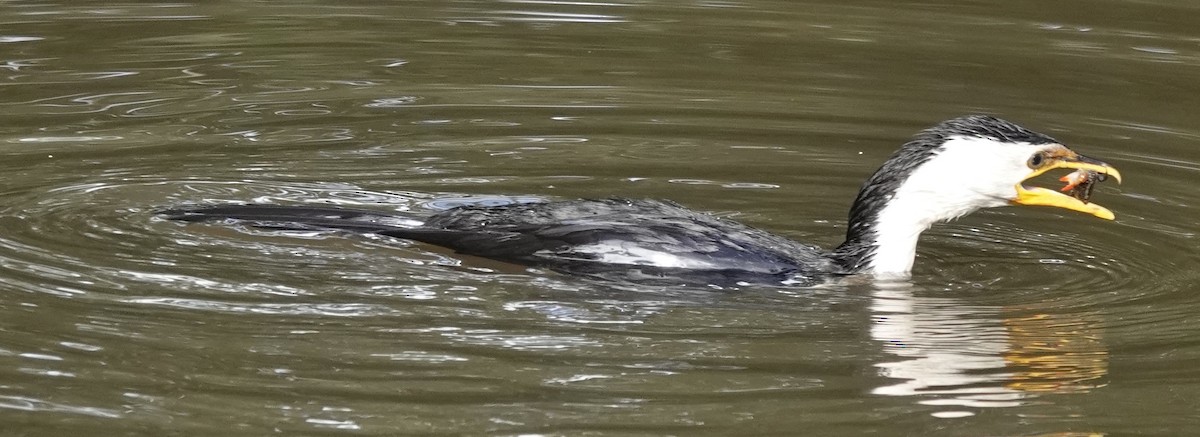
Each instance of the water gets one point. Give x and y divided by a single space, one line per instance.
1018 321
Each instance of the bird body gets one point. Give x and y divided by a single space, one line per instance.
944 172
630 240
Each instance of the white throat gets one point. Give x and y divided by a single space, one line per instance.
960 178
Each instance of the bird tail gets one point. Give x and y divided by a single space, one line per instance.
298 218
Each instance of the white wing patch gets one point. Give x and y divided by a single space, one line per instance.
628 252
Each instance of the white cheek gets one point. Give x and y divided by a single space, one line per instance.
975 172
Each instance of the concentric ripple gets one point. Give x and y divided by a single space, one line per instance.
108 226
1045 257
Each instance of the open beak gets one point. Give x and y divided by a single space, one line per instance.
1065 158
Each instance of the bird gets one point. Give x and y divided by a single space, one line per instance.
944 172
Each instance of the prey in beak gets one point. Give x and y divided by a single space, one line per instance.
1080 183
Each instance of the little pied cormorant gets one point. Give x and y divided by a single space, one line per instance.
944 172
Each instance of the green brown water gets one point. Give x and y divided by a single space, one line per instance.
1017 322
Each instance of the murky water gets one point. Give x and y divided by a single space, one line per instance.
1018 321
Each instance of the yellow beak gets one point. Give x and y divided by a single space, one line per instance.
1046 197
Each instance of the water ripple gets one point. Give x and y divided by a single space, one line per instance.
23 403
1074 266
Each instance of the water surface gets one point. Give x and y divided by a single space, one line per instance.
1017 321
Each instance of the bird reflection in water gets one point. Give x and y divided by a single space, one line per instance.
950 353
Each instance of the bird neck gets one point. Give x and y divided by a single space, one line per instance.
887 244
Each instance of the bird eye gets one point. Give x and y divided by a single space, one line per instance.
1036 160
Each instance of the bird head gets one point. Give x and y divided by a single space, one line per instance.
979 161
952 169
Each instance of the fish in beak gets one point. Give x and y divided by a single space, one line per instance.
1087 173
